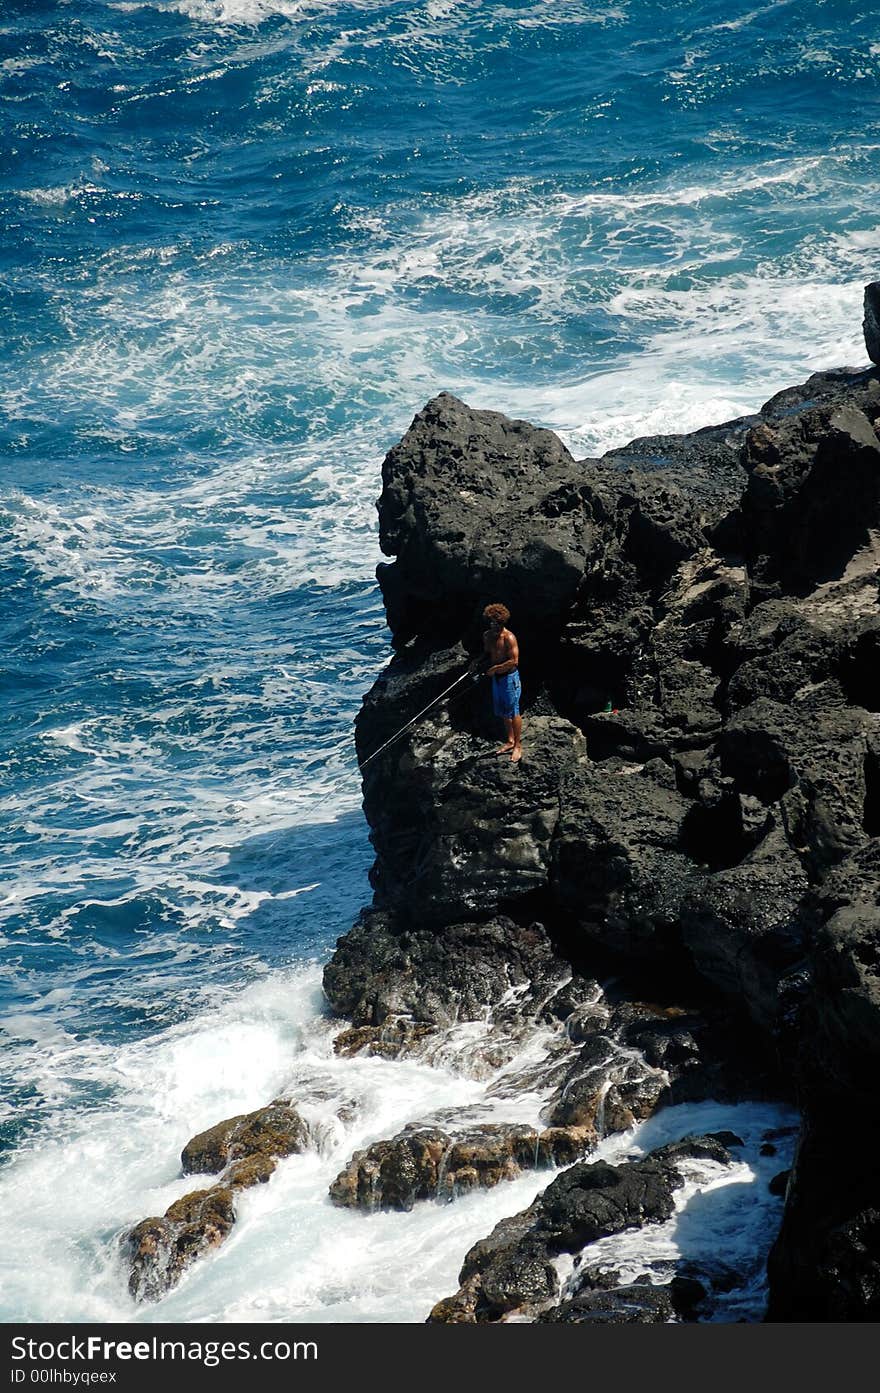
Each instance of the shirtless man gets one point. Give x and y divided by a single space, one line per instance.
503 651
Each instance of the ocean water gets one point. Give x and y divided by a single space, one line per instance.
244 241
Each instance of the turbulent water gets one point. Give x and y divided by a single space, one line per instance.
244 241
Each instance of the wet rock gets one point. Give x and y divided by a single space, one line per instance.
706 1147
774 1134
508 1271
465 1307
592 1200
383 969
518 1279
635 1304
268 1133
393 1174
581 1006
395 1037
159 1250
727 1139
779 1183
423 1163
605 1088
245 1150
509 1234
640 1057
688 1296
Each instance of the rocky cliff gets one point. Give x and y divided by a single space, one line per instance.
697 811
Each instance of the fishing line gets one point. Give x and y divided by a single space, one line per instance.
475 676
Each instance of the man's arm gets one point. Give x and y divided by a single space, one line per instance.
511 661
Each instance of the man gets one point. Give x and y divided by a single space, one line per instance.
503 651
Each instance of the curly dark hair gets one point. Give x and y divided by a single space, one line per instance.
499 612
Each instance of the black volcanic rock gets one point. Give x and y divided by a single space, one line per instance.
593 1200
511 1270
382 969
799 526
474 504
825 1264
618 864
458 831
639 1303
779 1183
871 323
699 800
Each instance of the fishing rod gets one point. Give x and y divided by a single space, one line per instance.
474 676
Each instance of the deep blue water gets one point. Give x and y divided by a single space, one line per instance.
244 241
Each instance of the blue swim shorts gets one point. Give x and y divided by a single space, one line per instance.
506 692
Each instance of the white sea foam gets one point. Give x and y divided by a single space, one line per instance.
550 15
742 21
293 1256
378 332
725 1217
58 196
131 544
246 12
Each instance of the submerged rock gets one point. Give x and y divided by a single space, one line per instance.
601 1298
636 1304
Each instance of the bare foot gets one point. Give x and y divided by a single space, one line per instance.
504 748
516 754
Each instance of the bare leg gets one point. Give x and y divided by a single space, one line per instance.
516 732
511 740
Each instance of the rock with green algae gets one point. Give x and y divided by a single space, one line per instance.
242 1151
275 1130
